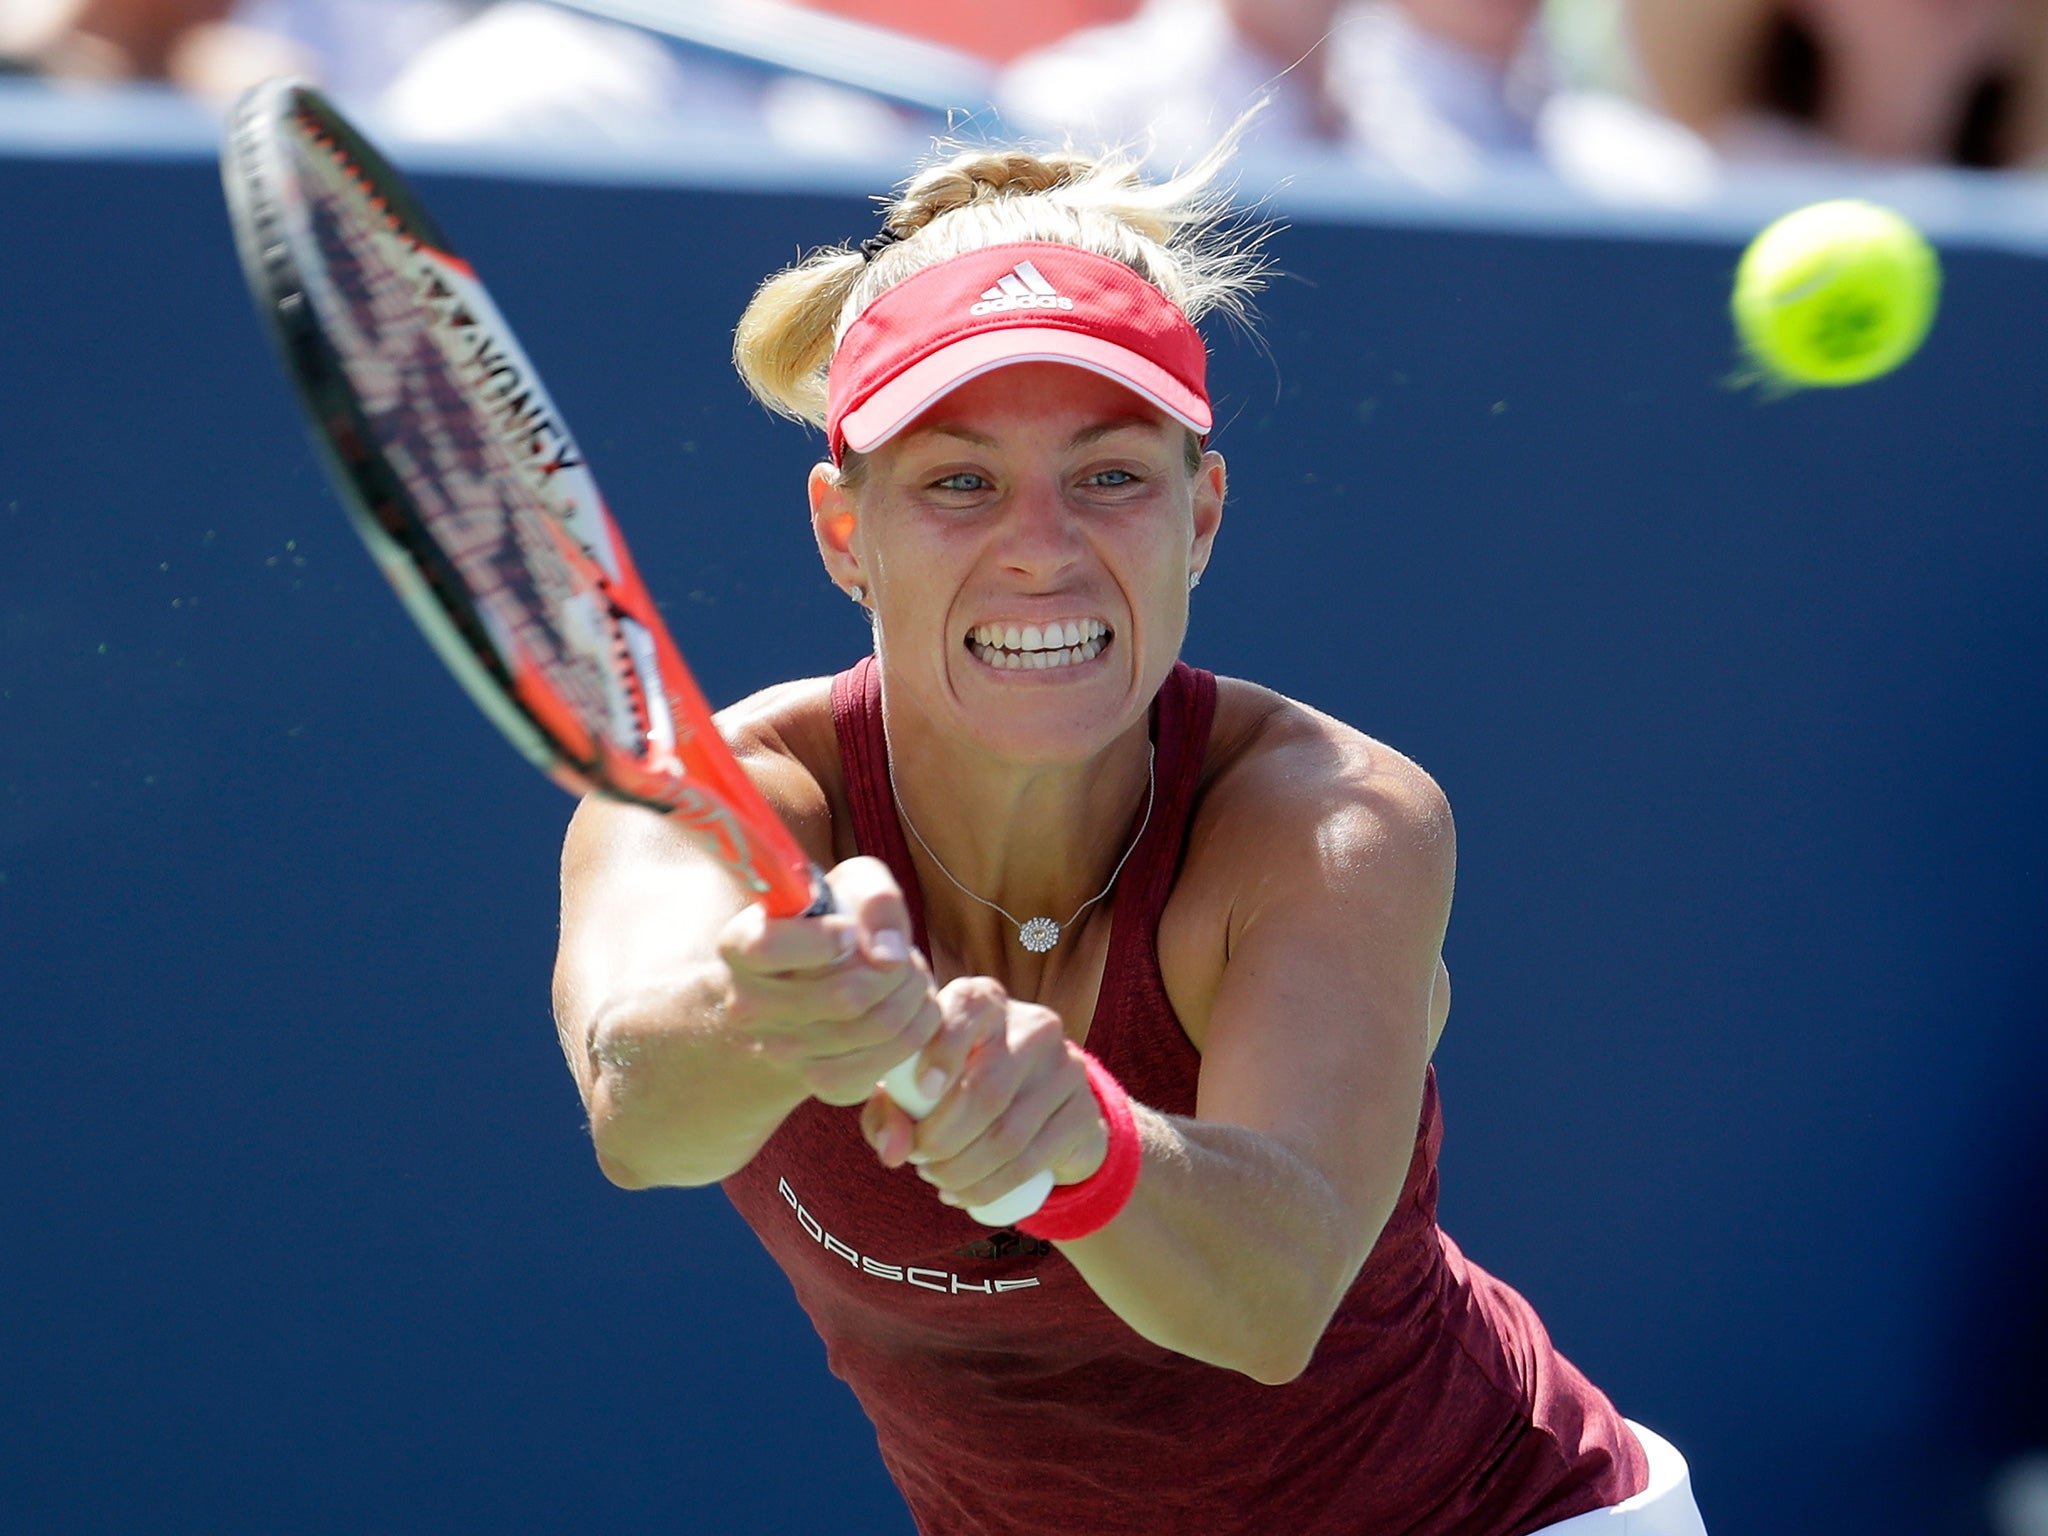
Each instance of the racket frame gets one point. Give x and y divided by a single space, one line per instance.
690 775
688 772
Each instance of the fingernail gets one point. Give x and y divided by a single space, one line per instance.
916 1159
888 947
932 1082
947 1197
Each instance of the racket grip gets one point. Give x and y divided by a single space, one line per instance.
1005 1210
900 1082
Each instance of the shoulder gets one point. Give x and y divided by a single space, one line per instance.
1303 824
784 738
1277 765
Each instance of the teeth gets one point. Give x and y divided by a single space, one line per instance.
1016 659
1063 635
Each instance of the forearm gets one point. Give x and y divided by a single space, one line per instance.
675 1096
1233 1249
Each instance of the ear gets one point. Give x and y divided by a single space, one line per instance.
832 525
1211 481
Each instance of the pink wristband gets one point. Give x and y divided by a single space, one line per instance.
1075 1210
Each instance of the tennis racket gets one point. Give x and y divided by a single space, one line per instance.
465 483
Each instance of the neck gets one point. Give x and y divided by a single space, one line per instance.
1037 840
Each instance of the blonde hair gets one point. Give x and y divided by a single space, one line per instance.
1182 235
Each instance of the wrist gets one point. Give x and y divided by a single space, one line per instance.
1075 1210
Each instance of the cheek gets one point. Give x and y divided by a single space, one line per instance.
1168 547
1162 599
915 592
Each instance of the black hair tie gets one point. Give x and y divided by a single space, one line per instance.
874 245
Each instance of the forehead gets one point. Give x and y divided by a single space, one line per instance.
1034 400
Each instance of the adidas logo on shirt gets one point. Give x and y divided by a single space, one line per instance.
1022 287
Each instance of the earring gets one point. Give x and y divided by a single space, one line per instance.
1194 580
857 592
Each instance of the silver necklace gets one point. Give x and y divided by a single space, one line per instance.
1037 934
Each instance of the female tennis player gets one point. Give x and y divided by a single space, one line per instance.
1170 936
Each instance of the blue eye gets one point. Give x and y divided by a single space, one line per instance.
966 480
1112 479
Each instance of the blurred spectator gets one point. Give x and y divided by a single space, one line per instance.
1430 90
515 71
999 35
188 43
357 47
1956 82
521 71
214 48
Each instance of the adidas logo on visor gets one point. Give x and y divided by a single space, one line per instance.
1022 287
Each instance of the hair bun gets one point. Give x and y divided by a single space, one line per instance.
1181 235
972 178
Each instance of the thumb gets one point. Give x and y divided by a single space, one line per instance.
864 890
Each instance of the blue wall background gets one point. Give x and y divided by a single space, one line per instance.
1739 702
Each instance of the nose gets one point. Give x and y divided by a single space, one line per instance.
1041 534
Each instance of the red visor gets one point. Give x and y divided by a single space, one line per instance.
1031 302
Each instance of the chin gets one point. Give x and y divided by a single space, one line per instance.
1051 715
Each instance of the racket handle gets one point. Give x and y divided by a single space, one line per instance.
1005 1210
900 1083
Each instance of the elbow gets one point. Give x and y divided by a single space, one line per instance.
1282 1336
633 1154
620 1173
1285 1335
1279 1374
611 1131
653 1168
1271 1344
628 1155
1280 1360
613 1159
639 1146
630 1124
672 1172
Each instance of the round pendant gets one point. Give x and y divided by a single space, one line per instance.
1039 935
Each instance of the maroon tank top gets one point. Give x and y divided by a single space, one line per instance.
1008 1400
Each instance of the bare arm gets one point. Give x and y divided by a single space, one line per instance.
640 1006
692 1023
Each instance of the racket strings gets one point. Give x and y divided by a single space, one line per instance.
453 408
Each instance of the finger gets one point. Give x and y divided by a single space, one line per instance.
887 1129
770 1006
849 1079
867 894
1060 1140
972 1011
1007 1043
754 943
895 1026
1042 1123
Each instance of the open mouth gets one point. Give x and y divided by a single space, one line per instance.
1038 647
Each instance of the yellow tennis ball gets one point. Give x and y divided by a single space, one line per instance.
1836 293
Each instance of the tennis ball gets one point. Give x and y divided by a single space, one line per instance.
1836 293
